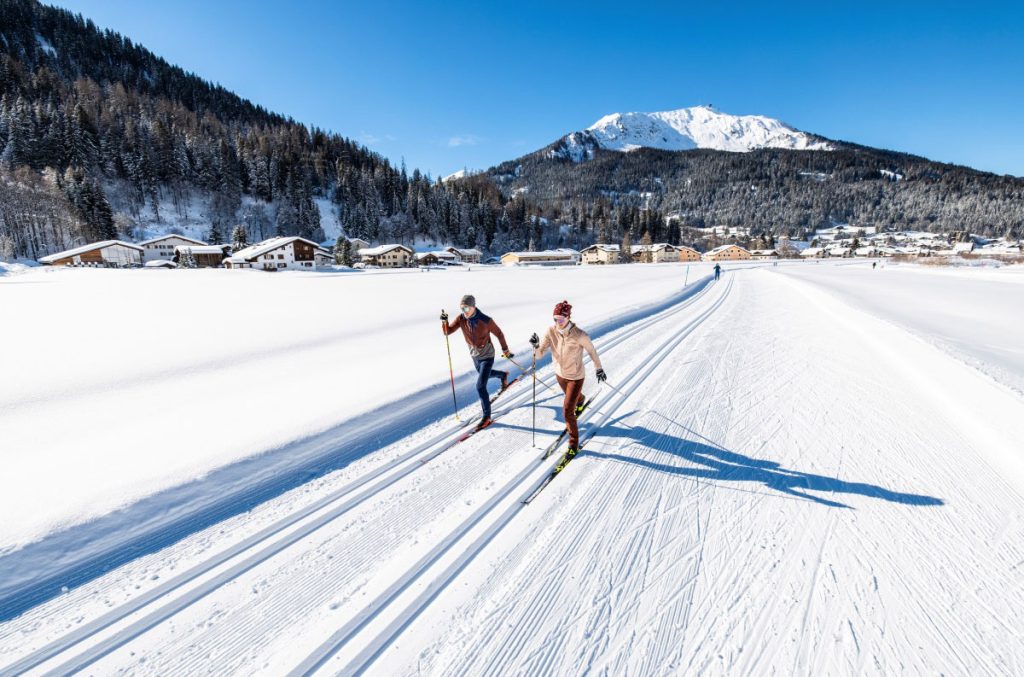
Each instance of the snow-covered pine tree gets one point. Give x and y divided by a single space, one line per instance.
214 236
187 259
343 252
626 248
239 238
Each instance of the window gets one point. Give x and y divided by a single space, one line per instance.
280 256
282 265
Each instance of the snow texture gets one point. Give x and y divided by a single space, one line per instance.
779 478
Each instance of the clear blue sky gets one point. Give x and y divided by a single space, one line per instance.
455 84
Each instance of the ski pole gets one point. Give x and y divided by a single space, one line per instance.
535 399
451 370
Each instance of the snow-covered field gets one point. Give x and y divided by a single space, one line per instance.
796 470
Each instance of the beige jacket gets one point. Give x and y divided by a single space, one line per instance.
567 351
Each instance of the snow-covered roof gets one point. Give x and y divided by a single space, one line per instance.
161 264
87 248
382 249
722 249
465 252
168 236
603 247
636 248
811 251
547 253
202 249
443 254
763 252
261 248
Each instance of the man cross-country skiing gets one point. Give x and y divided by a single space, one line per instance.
718 270
477 329
567 343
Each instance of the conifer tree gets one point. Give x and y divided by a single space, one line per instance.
239 238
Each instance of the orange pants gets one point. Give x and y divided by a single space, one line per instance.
573 397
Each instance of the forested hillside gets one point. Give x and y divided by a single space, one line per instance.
100 138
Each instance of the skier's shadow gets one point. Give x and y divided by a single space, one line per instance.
707 460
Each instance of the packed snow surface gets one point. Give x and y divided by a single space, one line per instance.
686 129
778 478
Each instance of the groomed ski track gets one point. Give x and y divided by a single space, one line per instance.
743 505
124 622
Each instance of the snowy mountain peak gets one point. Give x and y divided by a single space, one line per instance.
685 129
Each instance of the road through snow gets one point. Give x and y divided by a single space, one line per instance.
783 484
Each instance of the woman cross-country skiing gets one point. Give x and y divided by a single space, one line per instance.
567 343
477 329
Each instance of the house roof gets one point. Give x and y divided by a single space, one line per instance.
544 254
603 247
382 249
87 248
465 252
161 263
261 248
722 248
203 249
168 236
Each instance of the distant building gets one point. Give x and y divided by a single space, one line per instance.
551 257
322 256
465 255
437 258
108 253
277 253
600 254
687 254
387 256
812 253
661 252
761 254
162 248
727 252
358 243
205 256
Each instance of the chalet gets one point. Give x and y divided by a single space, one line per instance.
727 252
162 248
762 254
812 253
465 255
443 257
688 253
160 263
387 256
323 256
358 243
550 257
654 253
277 253
108 253
600 254
204 256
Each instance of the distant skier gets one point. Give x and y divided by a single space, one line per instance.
477 329
873 264
718 271
567 343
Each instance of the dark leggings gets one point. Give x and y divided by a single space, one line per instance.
484 372
573 397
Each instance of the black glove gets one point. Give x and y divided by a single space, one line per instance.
535 341
601 376
508 355
444 316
